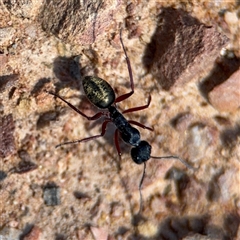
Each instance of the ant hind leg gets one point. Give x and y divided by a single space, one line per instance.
104 126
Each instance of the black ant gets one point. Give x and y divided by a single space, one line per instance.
102 95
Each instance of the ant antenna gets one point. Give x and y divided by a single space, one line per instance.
144 171
140 187
176 157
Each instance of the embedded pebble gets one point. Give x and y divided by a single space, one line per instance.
226 96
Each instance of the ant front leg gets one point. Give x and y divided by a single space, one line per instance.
138 108
127 95
140 125
95 117
116 141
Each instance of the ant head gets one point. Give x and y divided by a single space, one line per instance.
141 153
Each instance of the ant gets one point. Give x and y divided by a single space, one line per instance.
102 95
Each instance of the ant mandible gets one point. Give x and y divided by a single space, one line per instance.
102 95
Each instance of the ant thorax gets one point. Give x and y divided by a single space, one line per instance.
128 133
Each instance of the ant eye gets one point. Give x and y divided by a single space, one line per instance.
141 153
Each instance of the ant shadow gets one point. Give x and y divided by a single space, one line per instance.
67 71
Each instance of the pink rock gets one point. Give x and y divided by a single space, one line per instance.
226 96
181 48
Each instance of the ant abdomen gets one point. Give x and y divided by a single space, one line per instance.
98 91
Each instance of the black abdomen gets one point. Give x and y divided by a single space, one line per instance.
98 91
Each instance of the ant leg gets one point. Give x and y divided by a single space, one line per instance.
95 117
138 108
140 187
127 95
104 125
117 143
140 125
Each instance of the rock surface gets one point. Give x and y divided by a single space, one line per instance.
181 54
226 96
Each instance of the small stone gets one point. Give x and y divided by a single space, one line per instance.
3 175
3 60
231 18
6 35
99 233
182 121
9 233
200 138
51 195
226 96
7 81
7 143
25 165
